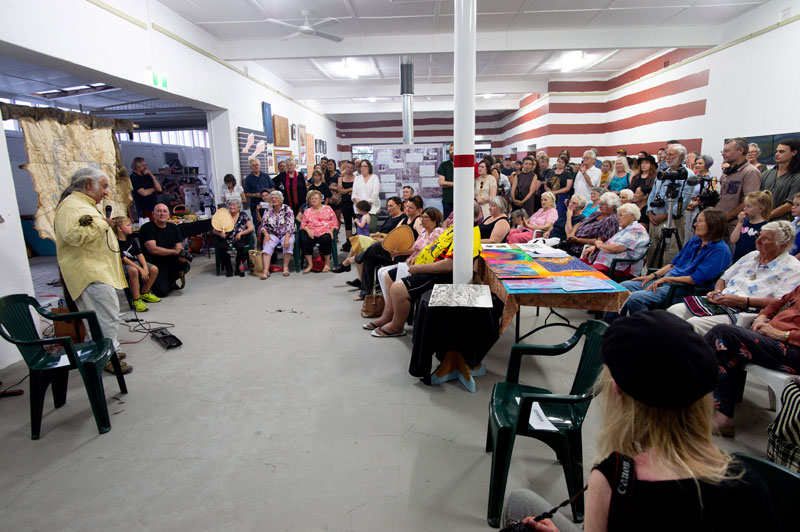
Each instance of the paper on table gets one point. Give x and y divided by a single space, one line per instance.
396 165
414 157
583 284
430 181
535 249
495 246
426 170
538 420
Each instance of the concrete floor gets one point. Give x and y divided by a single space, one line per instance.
279 413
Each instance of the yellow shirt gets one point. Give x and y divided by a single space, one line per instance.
86 253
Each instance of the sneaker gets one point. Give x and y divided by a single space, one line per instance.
126 368
149 297
139 306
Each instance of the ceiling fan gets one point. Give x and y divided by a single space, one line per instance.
310 30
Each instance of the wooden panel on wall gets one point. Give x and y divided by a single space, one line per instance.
281 127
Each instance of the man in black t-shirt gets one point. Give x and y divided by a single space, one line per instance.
163 246
145 188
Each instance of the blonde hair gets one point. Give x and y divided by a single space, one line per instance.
119 221
679 439
762 199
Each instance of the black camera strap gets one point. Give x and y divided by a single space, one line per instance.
621 492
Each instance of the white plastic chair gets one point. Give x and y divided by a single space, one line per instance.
776 381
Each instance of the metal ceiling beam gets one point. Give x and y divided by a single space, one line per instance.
543 40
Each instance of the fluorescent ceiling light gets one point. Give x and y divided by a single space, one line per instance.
76 88
97 85
51 91
490 95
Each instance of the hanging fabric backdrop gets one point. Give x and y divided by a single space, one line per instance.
58 143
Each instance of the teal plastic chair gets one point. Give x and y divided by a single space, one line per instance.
509 419
783 485
46 366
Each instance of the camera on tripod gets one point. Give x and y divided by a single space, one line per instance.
708 197
673 186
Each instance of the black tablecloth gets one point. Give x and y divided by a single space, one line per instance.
437 330
194 228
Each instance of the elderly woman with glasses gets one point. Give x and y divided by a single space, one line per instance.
317 227
277 228
601 225
629 243
242 226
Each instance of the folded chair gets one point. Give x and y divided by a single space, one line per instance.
48 366
509 419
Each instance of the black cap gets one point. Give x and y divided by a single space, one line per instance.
648 158
658 359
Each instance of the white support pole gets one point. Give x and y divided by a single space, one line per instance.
464 129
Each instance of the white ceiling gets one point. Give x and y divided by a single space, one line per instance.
521 43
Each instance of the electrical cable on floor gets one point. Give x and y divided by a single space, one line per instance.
143 326
15 384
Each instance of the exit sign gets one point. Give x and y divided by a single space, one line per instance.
159 79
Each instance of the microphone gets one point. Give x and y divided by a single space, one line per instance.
108 211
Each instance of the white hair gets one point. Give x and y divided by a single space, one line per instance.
784 232
500 203
80 178
680 149
590 153
549 195
610 199
234 201
630 208
627 193
580 200
624 164
277 193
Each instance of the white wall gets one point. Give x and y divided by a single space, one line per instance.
16 277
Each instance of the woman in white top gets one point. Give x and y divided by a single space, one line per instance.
485 187
230 190
367 187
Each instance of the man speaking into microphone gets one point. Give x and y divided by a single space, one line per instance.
88 253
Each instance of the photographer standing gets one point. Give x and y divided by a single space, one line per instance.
146 188
88 259
163 246
658 201
738 179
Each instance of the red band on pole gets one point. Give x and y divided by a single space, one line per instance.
463 161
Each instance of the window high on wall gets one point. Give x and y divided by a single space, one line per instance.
192 138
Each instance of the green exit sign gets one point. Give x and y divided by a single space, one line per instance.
159 80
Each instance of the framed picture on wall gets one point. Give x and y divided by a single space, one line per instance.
266 111
252 145
294 131
302 144
280 126
282 155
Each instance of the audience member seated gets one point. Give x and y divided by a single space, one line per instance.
163 246
754 216
601 225
572 217
541 221
433 265
594 201
629 243
319 223
236 239
701 260
656 418
518 218
375 256
277 229
626 196
137 269
494 229
640 196
773 342
753 282
783 434
432 221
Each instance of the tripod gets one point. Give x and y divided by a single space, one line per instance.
667 232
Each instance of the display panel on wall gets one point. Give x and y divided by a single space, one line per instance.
253 145
311 153
266 113
415 166
281 127
768 145
282 155
302 147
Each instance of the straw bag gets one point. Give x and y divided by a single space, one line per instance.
258 262
372 307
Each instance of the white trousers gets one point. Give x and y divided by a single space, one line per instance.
703 325
402 272
102 299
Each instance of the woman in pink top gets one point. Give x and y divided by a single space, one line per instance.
542 221
319 222
431 229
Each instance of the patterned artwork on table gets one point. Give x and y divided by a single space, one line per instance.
493 256
520 269
567 264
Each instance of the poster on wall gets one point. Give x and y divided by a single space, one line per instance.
399 165
266 113
311 153
282 155
281 129
253 144
302 147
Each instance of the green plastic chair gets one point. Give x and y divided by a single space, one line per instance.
507 419
17 326
612 269
251 244
783 485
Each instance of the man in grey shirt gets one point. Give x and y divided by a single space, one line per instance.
784 179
